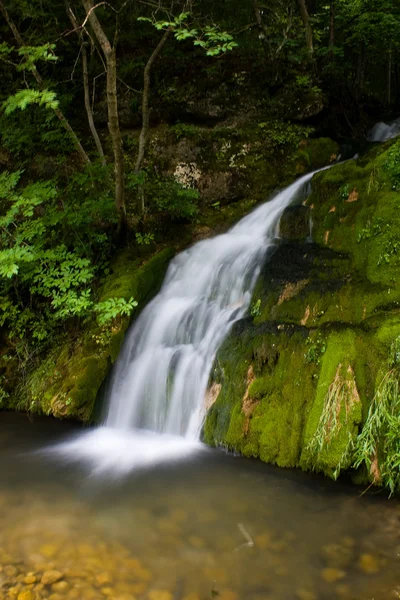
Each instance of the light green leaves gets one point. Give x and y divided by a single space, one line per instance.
24 98
114 307
33 54
210 38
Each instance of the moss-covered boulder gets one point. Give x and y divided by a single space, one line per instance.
67 381
299 381
229 163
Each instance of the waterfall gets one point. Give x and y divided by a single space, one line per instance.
381 132
160 379
161 376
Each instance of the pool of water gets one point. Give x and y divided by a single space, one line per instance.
211 526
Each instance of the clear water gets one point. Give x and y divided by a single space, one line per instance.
201 527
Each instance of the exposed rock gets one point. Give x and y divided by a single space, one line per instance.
295 223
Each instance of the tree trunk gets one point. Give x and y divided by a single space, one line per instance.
307 26
360 73
112 107
332 27
146 114
85 75
389 78
40 83
264 34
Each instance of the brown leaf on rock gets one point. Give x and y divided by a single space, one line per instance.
353 196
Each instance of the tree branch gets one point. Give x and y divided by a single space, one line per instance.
86 88
40 82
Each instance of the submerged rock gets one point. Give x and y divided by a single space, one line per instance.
50 577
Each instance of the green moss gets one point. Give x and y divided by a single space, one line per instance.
336 413
318 152
311 389
269 423
67 381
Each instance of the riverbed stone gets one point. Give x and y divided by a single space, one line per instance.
52 576
338 556
330 575
304 594
160 595
25 595
369 564
60 587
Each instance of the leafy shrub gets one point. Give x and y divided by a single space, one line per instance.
171 198
279 133
114 307
52 247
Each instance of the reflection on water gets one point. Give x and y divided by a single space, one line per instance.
212 526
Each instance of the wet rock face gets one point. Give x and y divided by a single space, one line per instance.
324 321
295 223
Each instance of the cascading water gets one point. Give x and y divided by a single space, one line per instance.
160 379
161 376
381 132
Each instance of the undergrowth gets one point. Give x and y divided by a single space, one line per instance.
378 445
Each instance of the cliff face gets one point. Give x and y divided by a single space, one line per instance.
311 378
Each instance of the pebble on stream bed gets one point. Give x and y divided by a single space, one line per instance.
59 551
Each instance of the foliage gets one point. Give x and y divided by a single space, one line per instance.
114 307
49 256
337 400
34 54
183 130
165 197
210 38
280 134
171 198
144 239
378 445
28 134
316 348
255 308
392 165
22 99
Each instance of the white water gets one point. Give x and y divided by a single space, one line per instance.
160 379
381 132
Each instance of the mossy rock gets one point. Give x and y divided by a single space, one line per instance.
67 381
315 153
298 379
294 223
336 413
